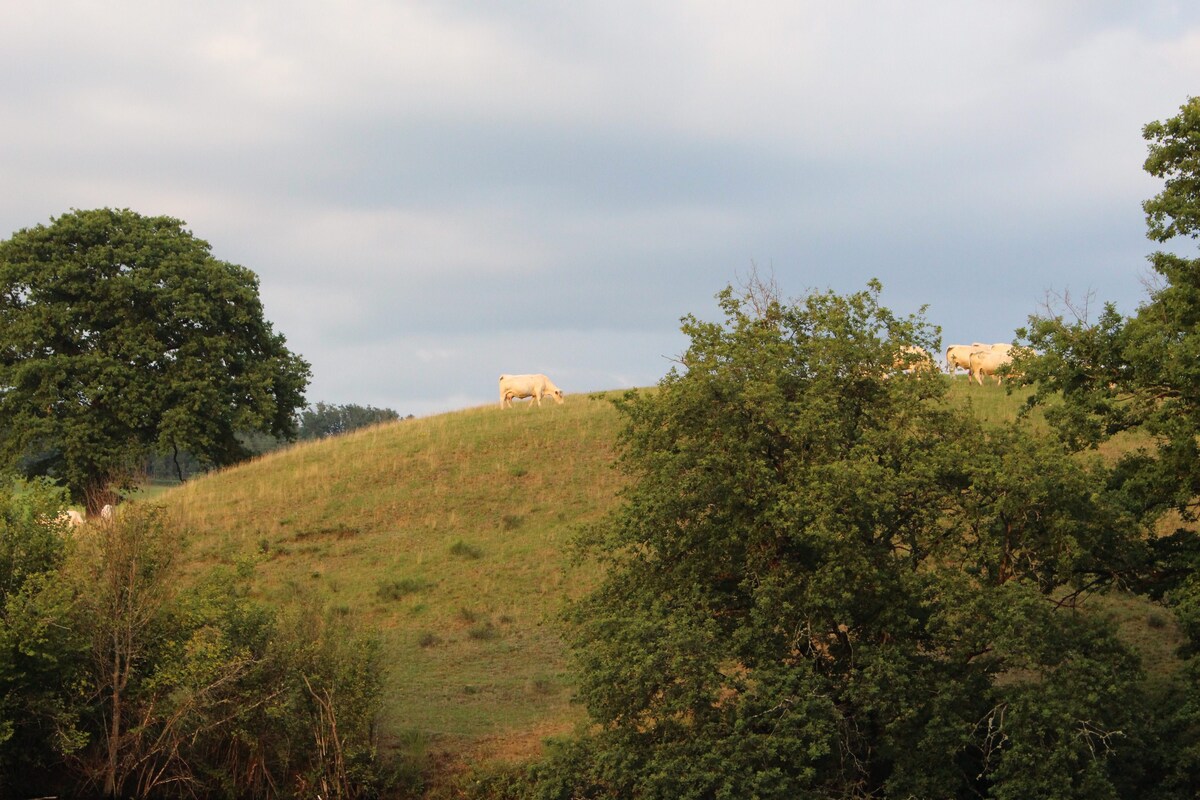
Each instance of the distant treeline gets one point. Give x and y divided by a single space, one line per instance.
314 422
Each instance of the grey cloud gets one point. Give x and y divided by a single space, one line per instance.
453 189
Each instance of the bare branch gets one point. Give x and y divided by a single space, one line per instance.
761 292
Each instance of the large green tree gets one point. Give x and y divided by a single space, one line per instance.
121 335
827 581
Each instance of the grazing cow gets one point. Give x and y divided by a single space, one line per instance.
913 359
106 513
959 355
535 386
987 362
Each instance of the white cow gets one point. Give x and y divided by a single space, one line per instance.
987 362
911 358
535 386
70 517
959 355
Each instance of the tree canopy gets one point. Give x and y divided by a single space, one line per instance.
827 581
120 336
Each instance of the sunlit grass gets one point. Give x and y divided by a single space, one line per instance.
405 524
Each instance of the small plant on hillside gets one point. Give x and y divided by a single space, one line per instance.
397 589
465 550
543 685
483 632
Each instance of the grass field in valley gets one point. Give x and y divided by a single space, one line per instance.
449 536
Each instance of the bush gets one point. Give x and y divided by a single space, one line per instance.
214 694
41 652
395 590
465 550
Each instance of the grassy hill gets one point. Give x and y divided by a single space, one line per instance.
450 536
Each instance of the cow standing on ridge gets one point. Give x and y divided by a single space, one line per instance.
535 386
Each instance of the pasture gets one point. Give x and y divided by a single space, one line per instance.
450 536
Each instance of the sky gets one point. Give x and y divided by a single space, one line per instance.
435 193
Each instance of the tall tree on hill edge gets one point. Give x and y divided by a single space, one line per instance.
121 336
826 580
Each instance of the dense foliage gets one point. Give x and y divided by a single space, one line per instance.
117 678
121 336
1101 378
825 581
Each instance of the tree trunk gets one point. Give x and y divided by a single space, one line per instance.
114 729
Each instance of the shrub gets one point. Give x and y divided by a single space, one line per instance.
464 550
395 590
485 631
214 694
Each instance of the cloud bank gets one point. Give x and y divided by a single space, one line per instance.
435 193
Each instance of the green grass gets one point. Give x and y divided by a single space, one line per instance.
449 536
991 402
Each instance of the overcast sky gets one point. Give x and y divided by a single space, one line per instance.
433 193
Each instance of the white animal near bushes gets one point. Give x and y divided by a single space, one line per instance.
520 386
70 517
912 358
959 355
987 362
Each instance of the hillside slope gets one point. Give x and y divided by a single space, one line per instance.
448 535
